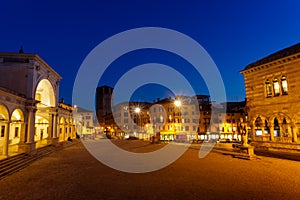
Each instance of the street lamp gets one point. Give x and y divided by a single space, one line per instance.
137 110
177 104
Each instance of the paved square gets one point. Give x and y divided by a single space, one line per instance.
72 173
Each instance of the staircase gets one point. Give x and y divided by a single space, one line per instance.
15 163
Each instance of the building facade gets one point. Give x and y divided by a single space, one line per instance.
30 115
84 120
273 99
182 118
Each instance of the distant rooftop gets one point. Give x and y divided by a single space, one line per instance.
275 56
79 109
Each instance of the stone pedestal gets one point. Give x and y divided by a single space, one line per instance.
249 150
29 148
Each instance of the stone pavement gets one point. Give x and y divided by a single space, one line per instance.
72 173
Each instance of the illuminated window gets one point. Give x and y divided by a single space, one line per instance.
162 118
284 85
268 88
276 87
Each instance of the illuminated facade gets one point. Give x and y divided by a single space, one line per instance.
181 119
30 115
84 120
128 118
273 99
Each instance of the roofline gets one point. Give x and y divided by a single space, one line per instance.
32 56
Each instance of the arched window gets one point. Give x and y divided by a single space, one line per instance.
258 122
267 131
268 88
276 87
284 85
259 125
276 127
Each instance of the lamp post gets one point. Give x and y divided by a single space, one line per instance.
137 110
177 104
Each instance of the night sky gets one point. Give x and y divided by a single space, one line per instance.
234 33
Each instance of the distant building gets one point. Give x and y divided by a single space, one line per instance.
104 100
183 118
84 120
235 117
128 118
273 99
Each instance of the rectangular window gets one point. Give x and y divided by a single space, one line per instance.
16 131
284 85
2 131
276 87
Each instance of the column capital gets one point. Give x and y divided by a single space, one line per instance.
31 108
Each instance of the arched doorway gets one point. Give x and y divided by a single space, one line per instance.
16 130
62 129
46 97
4 141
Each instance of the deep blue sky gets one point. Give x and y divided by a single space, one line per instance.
234 32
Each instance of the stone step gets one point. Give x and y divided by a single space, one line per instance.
12 159
13 164
46 150
17 166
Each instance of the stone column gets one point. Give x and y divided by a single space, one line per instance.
22 143
262 133
294 129
252 132
55 128
50 129
31 129
272 133
6 139
22 133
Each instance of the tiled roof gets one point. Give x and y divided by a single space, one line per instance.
275 56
